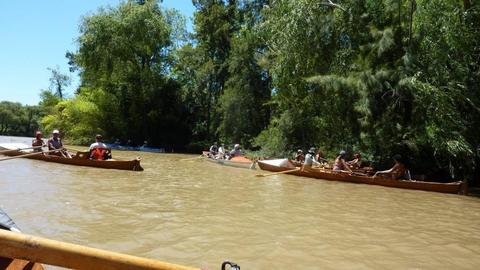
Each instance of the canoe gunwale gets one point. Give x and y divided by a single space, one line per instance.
452 187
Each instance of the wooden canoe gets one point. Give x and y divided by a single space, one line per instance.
279 165
80 159
239 162
6 223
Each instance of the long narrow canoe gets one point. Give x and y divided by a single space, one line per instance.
81 160
239 162
279 165
6 223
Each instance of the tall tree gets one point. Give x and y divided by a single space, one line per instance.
124 52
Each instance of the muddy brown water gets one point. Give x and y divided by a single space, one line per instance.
199 213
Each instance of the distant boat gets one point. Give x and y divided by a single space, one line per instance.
279 165
239 162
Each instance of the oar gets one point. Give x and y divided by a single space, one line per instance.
76 150
275 173
51 252
185 159
27 155
18 149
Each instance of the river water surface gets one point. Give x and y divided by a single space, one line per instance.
199 213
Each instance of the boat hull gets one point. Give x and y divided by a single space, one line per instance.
240 162
452 187
6 223
81 160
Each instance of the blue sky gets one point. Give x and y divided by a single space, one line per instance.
35 35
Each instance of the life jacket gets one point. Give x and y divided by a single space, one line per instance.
98 153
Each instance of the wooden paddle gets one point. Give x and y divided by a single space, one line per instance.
18 149
185 159
275 173
51 252
27 155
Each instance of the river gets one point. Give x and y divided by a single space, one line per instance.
199 213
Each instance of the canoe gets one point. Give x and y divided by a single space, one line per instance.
80 159
239 162
278 165
6 223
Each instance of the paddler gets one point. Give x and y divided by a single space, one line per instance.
310 159
99 150
56 143
38 142
340 165
398 171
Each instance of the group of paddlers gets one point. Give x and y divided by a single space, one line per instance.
97 150
220 151
314 157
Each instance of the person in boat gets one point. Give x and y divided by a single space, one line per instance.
236 152
299 157
319 157
213 149
221 152
340 165
38 142
398 171
356 163
310 159
56 143
99 150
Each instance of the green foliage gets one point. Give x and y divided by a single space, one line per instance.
17 119
376 76
79 118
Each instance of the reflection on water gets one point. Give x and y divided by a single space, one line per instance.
199 213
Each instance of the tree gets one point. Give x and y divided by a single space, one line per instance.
125 53
58 82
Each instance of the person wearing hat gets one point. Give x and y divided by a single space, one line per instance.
99 150
299 157
340 165
38 143
398 171
56 143
236 152
310 159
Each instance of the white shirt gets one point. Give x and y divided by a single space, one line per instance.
98 145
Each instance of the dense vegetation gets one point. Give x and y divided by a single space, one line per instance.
375 76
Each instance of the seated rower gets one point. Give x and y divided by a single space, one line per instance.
99 150
38 143
56 143
236 152
310 160
221 152
299 157
398 171
340 165
213 149
320 159
356 163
